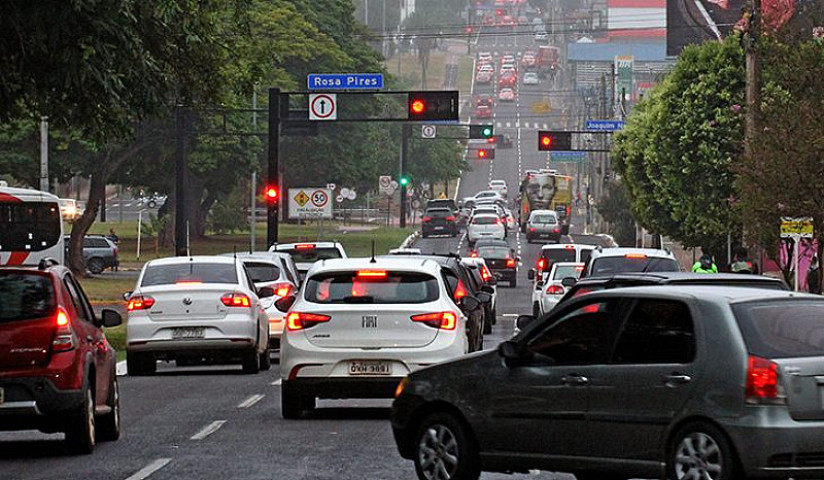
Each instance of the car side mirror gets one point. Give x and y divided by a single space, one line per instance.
524 321
127 295
569 282
111 318
530 274
470 303
488 289
285 303
484 297
266 292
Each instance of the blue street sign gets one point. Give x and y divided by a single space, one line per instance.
567 156
605 125
344 81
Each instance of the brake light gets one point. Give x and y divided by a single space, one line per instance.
763 385
473 254
541 264
569 247
189 282
299 321
440 320
426 219
510 262
635 255
372 274
64 335
460 291
450 219
568 211
140 302
304 246
236 300
485 273
579 268
282 289
556 230
531 229
555 290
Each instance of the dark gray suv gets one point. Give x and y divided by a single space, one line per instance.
99 253
713 383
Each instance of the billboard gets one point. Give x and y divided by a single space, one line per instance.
696 21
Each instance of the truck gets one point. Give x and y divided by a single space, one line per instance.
546 190
548 60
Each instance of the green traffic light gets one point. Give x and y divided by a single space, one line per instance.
404 181
487 132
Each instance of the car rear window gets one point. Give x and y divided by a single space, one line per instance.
610 265
548 219
312 254
485 221
493 252
555 255
781 329
378 286
189 273
567 271
438 213
25 296
262 271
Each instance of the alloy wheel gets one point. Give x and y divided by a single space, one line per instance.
698 457
438 453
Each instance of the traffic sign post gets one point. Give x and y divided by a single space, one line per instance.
796 229
323 106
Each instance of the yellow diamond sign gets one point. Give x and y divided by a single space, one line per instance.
302 198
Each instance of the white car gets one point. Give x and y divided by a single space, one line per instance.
487 195
499 186
609 261
361 325
541 36
553 290
485 225
484 57
305 254
531 78
551 254
511 222
506 95
192 308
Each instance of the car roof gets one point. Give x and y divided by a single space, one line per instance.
413 263
271 256
681 278
543 212
720 293
193 259
292 246
498 182
621 251
566 246
483 215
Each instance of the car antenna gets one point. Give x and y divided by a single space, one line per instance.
373 252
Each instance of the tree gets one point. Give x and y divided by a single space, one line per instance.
615 208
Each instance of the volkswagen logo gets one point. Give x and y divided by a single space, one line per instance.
187 300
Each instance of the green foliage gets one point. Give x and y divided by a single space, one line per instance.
615 208
227 215
680 141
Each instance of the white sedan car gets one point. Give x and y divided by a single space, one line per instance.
189 309
361 325
531 78
552 289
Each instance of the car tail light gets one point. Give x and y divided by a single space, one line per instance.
426 219
282 289
64 335
440 320
541 264
510 262
300 321
531 229
485 273
556 230
473 254
236 300
376 274
568 211
140 302
450 219
763 383
460 291
635 255
570 247
304 246
555 290
116 250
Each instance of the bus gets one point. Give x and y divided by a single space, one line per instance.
31 227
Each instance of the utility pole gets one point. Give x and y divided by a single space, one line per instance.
407 132
44 154
753 65
273 166
253 203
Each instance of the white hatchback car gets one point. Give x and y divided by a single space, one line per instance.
192 308
499 186
360 326
485 225
552 289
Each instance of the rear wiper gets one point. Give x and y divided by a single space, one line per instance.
363 299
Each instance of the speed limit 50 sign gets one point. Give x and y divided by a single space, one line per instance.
310 202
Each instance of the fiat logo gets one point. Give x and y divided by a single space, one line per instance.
187 300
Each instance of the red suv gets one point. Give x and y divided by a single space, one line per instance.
57 370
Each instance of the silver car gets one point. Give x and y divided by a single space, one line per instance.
191 309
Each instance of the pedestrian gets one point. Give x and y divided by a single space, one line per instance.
705 265
113 236
742 263
814 276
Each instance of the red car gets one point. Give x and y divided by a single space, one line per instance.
485 99
482 111
507 80
57 370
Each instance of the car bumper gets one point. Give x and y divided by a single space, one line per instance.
504 274
771 444
439 229
543 235
548 303
35 402
370 387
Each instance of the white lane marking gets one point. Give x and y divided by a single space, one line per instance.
251 401
508 124
280 380
149 469
121 368
208 430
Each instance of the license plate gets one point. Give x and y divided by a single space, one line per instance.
188 332
370 368
439 228
2 396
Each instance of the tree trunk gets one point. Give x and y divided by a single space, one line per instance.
97 190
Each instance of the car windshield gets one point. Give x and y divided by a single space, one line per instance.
546 219
190 272
374 286
494 252
781 329
312 253
262 271
623 264
565 271
484 221
25 296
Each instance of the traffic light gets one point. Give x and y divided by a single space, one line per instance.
404 180
481 131
271 194
486 153
554 140
434 105
468 29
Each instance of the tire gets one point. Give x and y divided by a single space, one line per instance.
440 438
80 434
265 360
96 265
487 325
423 235
138 364
151 204
536 310
513 283
108 426
495 316
251 362
697 446
293 404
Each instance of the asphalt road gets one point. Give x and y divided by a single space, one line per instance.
217 423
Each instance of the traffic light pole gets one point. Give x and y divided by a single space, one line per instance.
272 177
406 133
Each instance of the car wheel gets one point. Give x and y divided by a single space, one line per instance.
108 428
265 360
536 310
513 282
80 435
96 265
487 325
138 364
251 362
293 404
701 450
151 204
445 450
494 316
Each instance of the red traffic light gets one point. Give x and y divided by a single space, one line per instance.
468 29
417 106
481 153
271 194
554 140
546 141
433 105
486 153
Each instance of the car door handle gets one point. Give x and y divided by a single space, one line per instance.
574 380
677 379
